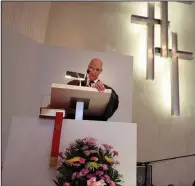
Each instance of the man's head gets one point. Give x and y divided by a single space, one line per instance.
95 68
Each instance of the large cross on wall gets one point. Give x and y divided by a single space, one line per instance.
164 51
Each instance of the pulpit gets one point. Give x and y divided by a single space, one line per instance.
75 100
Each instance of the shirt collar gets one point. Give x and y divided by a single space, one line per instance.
95 81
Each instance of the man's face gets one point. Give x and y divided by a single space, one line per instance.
95 68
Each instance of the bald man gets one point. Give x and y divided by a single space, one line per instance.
95 68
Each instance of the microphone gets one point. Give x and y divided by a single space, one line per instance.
88 71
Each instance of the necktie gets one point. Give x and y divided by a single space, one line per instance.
91 82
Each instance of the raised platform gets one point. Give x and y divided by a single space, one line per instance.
27 155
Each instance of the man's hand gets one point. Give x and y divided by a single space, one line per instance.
100 86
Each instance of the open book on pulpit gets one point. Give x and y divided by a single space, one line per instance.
77 100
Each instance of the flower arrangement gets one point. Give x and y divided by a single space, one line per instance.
85 163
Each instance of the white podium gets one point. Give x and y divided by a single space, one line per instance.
30 142
78 100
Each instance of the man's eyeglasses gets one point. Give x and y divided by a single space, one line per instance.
94 69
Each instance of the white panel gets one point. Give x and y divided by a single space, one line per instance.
79 110
29 146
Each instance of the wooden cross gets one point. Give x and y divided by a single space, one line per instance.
150 21
175 54
58 115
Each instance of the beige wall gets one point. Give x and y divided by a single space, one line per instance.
29 18
107 27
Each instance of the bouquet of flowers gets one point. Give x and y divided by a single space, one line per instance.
85 163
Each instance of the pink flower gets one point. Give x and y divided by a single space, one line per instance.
93 182
89 176
89 140
115 153
112 183
85 171
61 154
93 151
85 147
99 173
116 162
74 175
101 183
66 184
105 167
102 151
107 178
80 174
87 152
92 139
108 147
92 179
82 160
94 158
59 163
76 164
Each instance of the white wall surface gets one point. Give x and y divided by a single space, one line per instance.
20 76
29 147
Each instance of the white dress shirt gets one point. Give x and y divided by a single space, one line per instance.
93 84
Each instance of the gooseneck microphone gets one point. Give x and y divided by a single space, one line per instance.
79 78
88 71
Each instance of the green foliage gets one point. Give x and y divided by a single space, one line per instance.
85 159
114 174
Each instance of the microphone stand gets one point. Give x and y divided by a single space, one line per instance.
158 161
78 76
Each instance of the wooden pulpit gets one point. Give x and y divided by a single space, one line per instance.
69 99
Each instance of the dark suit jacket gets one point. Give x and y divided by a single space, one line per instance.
111 107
